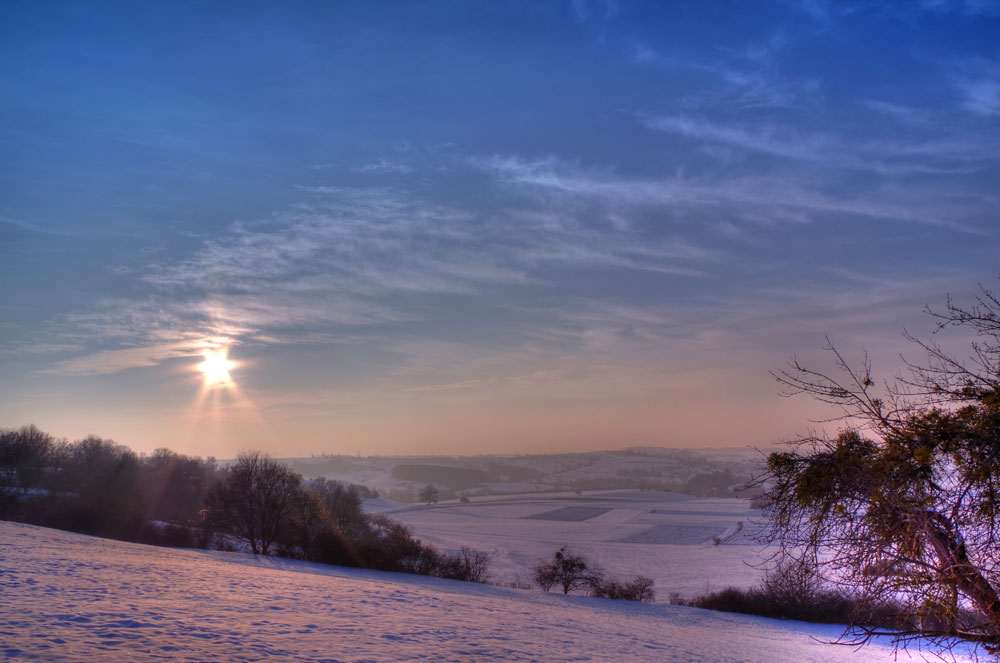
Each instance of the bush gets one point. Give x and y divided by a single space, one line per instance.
790 590
468 564
639 588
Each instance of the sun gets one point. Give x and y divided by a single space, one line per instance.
216 368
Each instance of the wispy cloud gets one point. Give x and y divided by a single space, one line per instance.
967 7
826 12
942 154
744 80
981 95
585 10
744 196
31 227
906 115
113 361
13 349
382 263
383 165
766 139
350 258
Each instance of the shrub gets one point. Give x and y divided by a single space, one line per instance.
788 591
468 564
517 583
639 588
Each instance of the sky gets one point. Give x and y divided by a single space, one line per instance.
467 228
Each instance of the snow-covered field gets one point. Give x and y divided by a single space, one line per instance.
69 597
665 536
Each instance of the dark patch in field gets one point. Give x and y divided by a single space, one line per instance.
748 536
681 535
718 514
570 514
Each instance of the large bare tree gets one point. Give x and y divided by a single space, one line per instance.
901 505
254 499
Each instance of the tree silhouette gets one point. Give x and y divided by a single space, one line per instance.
566 570
253 499
902 505
429 494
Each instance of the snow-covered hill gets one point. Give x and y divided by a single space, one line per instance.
69 597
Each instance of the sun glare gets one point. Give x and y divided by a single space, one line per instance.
216 368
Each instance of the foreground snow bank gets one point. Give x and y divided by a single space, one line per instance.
69 597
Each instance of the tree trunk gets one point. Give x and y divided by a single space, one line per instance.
955 565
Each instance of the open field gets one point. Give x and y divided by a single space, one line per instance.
665 536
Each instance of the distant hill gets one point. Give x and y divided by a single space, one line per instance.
702 473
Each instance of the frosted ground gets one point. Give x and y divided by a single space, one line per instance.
70 597
666 536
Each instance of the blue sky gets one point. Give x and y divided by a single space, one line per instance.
478 227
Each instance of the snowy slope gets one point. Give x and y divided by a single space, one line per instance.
68 597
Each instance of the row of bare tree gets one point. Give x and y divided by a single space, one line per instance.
99 487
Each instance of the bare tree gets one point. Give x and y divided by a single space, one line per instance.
429 494
253 500
902 505
639 588
565 570
24 453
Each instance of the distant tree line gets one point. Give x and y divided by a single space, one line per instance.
721 483
453 478
96 486
99 487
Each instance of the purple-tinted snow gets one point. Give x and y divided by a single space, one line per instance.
68 597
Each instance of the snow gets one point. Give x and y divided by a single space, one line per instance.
664 536
69 597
